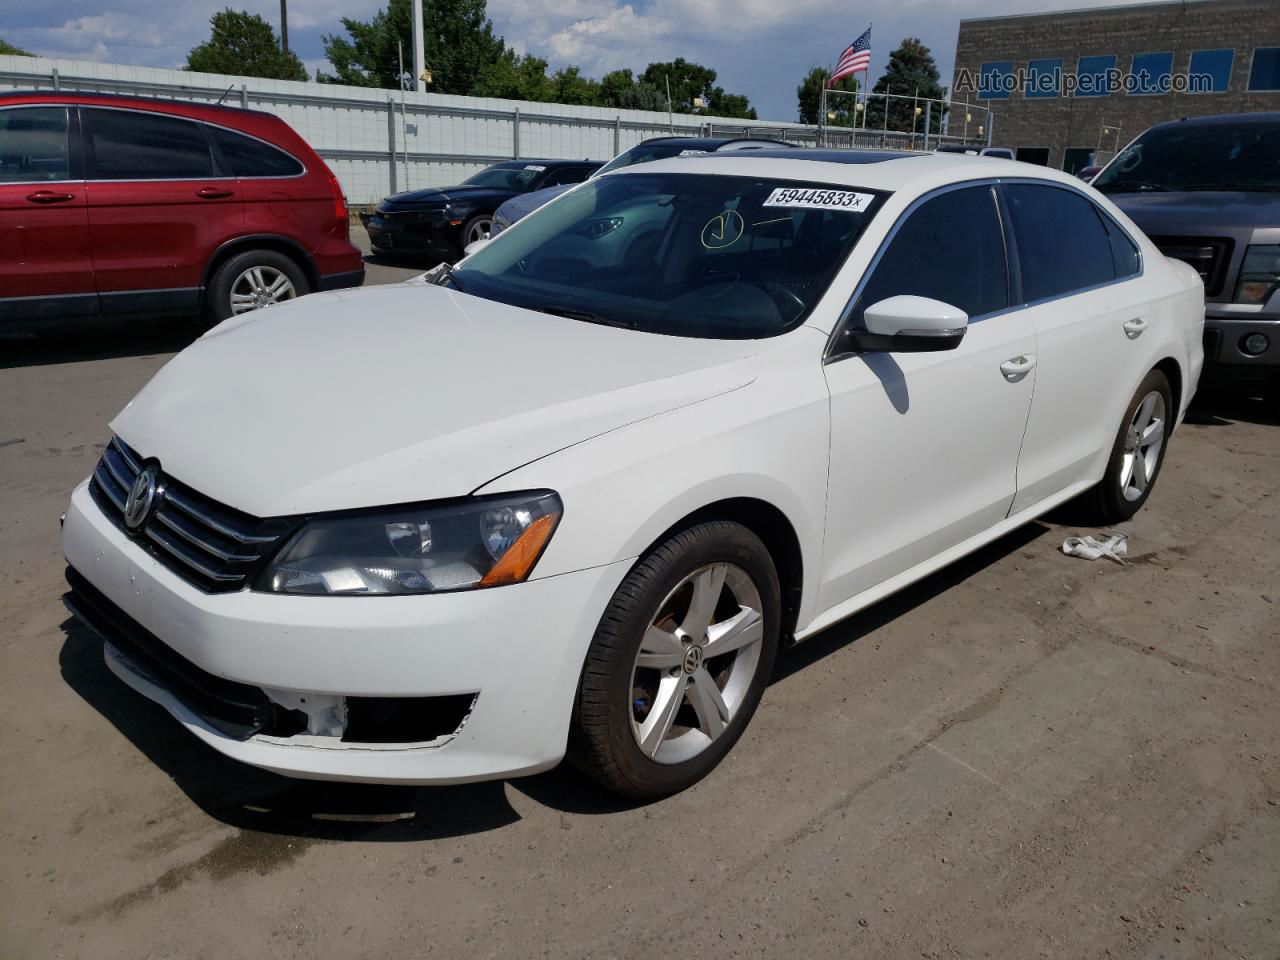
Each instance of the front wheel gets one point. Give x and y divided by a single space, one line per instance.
1136 455
678 663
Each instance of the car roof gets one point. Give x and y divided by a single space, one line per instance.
549 164
711 143
868 169
94 98
1268 119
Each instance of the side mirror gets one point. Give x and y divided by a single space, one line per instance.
475 245
909 324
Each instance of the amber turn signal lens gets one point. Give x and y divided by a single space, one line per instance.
523 554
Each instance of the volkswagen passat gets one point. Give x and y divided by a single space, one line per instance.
576 495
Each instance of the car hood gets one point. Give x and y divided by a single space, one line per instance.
402 393
415 198
1201 212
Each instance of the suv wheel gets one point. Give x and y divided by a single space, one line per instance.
253 280
679 662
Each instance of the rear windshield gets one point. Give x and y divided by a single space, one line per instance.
507 176
1191 156
684 254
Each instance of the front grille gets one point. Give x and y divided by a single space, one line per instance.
208 544
1209 256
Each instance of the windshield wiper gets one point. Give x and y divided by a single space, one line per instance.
444 274
586 316
1131 185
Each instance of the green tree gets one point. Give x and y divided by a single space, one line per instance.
244 44
688 80
621 90
517 78
809 98
911 72
8 49
724 104
459 45
572 87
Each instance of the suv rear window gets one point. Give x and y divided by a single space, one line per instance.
247 157
132 145
33 145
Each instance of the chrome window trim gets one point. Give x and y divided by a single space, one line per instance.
66 107
829 354
174 116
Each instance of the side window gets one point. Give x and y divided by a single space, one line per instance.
132 145
566 175
1124 252
1062 245
33 145
248 157
950 248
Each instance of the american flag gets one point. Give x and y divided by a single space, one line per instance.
855 58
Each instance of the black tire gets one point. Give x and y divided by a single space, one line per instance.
471 225
1105 503
601 741
218 294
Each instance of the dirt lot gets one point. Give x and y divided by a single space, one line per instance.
1027 755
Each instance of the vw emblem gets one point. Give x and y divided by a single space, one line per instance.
692 659
142 497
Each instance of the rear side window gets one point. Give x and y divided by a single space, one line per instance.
566 176
33 145
1062 244
247 157
129 145
950 248
1124 252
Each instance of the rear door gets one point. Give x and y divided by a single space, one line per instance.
159 206
278 195
45 269
1083 291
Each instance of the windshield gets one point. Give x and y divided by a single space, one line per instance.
509 176
645 152
690 255
1209 156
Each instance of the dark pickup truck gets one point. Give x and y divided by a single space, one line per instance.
1206 190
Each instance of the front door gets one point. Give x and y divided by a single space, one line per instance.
924 446
45 269
158 208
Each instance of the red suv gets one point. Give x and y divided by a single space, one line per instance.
114 205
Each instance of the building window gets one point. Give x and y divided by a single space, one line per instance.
1044 79
1075 159
1265 72
1092 79
1152 73
995 80
1037 155
1213 64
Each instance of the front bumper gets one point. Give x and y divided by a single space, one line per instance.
407 233
1225 330
518 649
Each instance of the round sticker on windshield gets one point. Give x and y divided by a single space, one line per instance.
723 230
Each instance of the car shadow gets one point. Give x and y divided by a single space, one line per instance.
1223 407
73 342
252 799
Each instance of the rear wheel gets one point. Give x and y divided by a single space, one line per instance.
253 280
679 662
1136 455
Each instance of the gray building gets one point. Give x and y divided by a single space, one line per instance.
1068 89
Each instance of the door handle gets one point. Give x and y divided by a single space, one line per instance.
1016 368
1133 328
212 193
50 196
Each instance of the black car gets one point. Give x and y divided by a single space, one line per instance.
439 223
1206 190
663 148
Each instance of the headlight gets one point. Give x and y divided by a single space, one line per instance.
425 548
1259 274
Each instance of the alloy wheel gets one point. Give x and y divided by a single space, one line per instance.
259 287
479 231
696 662
1143 442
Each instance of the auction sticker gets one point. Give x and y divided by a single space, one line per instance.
811 199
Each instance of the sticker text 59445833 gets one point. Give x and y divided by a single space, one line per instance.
849 200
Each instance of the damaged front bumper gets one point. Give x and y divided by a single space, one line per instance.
444 688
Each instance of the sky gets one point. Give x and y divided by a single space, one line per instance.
761 48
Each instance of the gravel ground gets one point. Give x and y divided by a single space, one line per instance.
1026 755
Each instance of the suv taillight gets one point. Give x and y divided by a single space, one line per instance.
339 203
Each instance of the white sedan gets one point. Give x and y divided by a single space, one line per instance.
575 495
